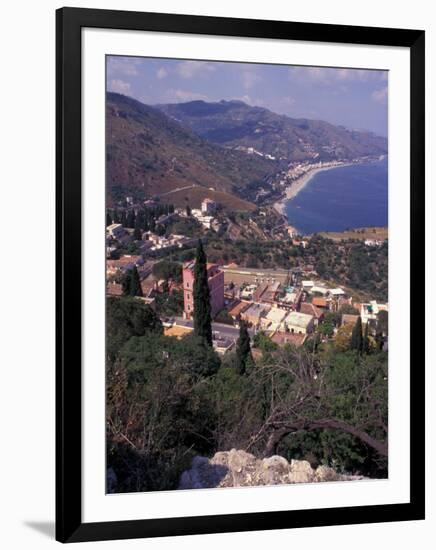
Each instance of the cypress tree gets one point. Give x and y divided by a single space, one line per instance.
108 218
139 222
356 336
135 282
201 294
123 219
125 283
137 234
115 216
365 344
131 284
243 349
131 218
188 210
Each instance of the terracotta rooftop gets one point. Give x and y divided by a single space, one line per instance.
310 309
319 302
282 338
114 289
238 308
123 261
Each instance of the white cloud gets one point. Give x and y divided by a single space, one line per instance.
380 95
127 66
119 86
253 101
249 79
331 76
189 69
161 73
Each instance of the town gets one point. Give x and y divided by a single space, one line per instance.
287 306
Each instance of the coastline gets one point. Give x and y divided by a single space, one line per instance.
299 184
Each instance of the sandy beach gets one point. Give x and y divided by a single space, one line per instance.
300 183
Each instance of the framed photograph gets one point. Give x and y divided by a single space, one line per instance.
240 259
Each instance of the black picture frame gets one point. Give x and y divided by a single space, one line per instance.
69 525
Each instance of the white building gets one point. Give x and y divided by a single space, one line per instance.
273 319
337 292
373 242
307 285
160 242
298 323
319 290
206 221
247 292
115 230
369 312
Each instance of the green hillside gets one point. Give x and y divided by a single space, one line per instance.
149 154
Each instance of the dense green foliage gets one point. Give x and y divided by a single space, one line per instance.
201 294
348 263
127 317
253 253
140 220
159 410
169 304
131 282
170 399
263 342
352 264
168 270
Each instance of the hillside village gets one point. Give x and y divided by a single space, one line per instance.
288 306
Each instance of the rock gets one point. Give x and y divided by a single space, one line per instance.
276 470
301 472
324 473
237 468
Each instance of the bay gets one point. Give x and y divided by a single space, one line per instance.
342 198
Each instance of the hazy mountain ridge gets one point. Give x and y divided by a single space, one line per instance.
150 154
236 124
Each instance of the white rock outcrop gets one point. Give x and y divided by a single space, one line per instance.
237 468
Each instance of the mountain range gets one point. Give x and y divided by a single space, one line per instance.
236 124
187 151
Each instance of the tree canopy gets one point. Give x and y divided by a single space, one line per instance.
166 269
127 317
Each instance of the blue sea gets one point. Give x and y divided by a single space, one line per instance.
342 198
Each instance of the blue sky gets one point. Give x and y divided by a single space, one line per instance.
355 98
